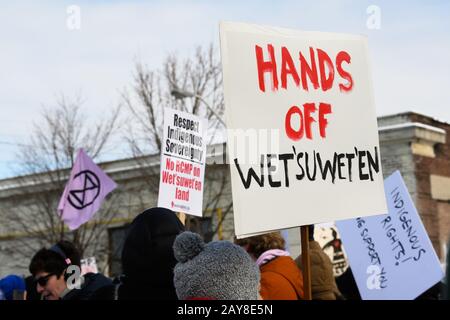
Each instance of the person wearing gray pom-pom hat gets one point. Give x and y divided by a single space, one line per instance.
218 270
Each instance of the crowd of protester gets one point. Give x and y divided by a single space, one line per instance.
162 261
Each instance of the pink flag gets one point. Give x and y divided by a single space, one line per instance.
84 193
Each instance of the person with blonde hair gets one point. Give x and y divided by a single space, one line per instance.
281 279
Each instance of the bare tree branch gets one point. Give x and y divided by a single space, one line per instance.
45 167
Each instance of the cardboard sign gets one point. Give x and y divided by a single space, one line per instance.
183 158
391 256
302 130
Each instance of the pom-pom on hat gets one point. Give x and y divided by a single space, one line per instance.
217 270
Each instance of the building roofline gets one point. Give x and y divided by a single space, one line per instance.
412 112
411 125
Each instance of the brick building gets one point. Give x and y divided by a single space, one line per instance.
419 147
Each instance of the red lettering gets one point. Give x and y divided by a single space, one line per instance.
310 71
266 66
308 109
344 56
324 60
167 177
287 67
306 120
324 108
169 164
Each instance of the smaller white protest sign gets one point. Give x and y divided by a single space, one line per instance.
88 265
391 255
183 157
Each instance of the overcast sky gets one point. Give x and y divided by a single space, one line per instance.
41 57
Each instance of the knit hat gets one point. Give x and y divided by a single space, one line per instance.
11 283
217 270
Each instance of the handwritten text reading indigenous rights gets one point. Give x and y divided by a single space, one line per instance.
314 69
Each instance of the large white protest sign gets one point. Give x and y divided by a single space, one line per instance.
183 156
391 256
312 91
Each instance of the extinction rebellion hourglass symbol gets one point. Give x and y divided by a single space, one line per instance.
82 198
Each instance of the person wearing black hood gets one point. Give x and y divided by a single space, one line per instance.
147 259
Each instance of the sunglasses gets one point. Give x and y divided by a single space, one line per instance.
42 281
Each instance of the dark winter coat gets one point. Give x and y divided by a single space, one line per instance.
323 284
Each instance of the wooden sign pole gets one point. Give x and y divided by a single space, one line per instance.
304 235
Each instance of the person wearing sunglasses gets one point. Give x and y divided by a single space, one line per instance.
49 268
42 281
